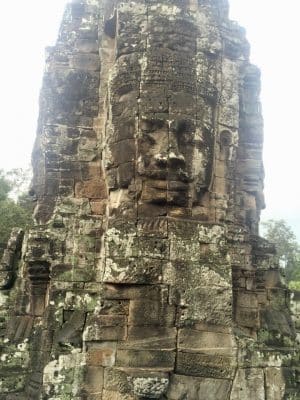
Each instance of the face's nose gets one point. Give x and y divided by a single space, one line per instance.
169 155
175 158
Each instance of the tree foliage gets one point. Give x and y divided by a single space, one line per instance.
5 186
14 211
288 249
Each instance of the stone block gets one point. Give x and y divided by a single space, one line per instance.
114 307
112 395
120 244
123 152
247 317
151 338
125 130
109 320
149 193
150 387
123 381
71 331
116 380
249 384
277 321
152 247
207 366
273 279
203 273
139 270
93 379
135 292
87 46
212 305
96 333
148 210
93 189
190 387
275 383
19 328
101 355
85 61
247 299
125 174
149 312
12 382
208 342
98 207
186 239
105 327
155 227
161 360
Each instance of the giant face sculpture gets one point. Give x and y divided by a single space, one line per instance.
159 136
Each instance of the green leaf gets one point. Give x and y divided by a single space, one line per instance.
288 249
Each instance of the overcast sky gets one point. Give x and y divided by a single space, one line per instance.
27 27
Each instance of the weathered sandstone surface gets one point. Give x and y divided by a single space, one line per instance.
144 276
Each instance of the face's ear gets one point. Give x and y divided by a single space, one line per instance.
225 138
110 26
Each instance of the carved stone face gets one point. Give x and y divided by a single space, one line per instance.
172 160
158 138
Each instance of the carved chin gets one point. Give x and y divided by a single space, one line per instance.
173 193
179 199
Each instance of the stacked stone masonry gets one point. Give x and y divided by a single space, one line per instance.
144 276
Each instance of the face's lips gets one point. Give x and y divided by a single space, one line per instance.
165 192
174 175
175 197
177 186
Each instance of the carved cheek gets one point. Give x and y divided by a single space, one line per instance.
155 147
199 164
160 154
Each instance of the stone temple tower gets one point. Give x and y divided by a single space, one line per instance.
144 276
